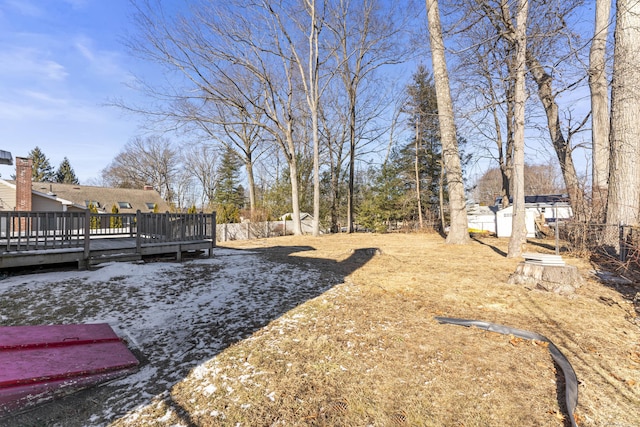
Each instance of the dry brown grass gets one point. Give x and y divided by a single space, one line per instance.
368 351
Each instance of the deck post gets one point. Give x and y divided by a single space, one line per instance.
214 229
138 237
87 239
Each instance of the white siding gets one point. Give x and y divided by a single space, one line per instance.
7 198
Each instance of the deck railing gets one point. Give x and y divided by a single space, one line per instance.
25 231
29 231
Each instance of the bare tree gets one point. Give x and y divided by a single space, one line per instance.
201 163
482 76
623 205
309 73
221 57
599 109
145 161
518 230
459 229
365 40
538 179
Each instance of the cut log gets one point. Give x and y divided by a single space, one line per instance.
560 279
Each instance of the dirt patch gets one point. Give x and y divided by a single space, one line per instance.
339 330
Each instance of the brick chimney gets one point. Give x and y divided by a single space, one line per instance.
23 184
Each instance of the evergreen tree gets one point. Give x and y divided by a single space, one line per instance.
229 194
424 151
115 221
94 221
386 198
42 170
65 173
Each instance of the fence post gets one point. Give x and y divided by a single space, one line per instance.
621 242
557 236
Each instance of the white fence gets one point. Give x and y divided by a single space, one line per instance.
257 230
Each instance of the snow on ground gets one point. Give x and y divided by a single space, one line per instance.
174 315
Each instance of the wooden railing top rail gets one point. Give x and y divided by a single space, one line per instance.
25 231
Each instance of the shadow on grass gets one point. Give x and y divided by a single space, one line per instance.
175 348
493 248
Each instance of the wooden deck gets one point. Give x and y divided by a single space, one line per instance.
36 238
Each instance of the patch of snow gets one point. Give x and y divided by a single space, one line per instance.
178 316
209 390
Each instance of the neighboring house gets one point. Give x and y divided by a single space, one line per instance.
50 196
495 220
306 221
303 216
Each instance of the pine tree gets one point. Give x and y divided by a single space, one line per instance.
42 170
385 198
94 221
65 173
421 157
115 221
229 194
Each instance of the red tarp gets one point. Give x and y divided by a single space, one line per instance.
38 363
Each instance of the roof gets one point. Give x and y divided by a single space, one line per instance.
476 209
104 197
5 158
542 200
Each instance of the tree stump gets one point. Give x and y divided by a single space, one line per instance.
560 279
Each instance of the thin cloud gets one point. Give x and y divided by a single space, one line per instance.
24 7
44 97
103 62
30 62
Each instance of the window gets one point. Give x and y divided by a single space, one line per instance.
150 205
124 205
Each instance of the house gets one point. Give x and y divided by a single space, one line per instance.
548 208
24 195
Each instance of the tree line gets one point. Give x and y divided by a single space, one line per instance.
42 171
301 95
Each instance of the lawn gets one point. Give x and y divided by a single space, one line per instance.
340 330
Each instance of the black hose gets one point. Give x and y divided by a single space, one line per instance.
570 379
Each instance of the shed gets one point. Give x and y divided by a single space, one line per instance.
481 218
504 220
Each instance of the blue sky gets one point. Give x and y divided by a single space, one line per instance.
60 63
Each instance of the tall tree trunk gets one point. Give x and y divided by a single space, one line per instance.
623 205
519 230
441 196
560 144
504 154
506 163
314 101
248 165
295 198
599 110
417 172
459 229
352 159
